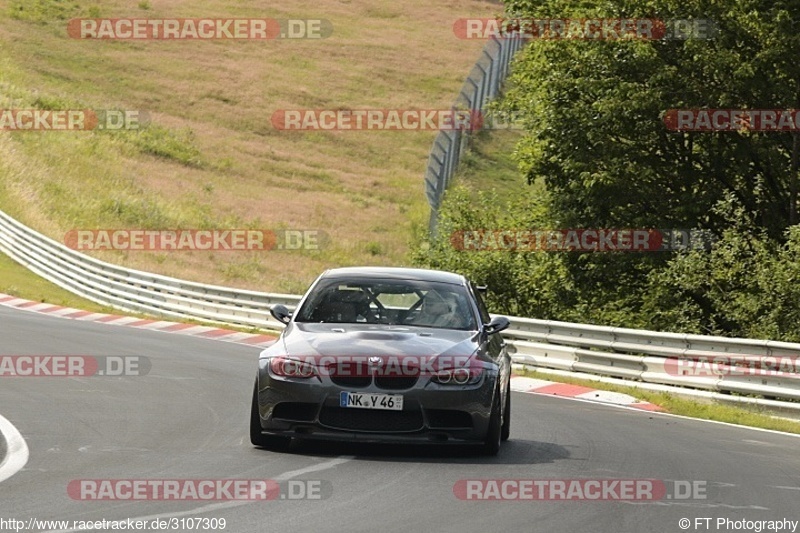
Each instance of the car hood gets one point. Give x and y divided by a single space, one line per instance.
315 339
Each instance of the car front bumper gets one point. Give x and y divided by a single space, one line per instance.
432 413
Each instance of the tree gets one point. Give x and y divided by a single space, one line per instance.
594 112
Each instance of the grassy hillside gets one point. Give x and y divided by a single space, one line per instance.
211 158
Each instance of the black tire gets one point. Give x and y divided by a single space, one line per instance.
491 443
257 438
505 431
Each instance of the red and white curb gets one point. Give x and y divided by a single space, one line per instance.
564 390
207 332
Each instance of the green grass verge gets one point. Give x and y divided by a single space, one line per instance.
16 280
753 417
489 164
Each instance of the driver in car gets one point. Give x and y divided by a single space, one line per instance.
438 313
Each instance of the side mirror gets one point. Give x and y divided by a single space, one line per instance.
281 313
498 324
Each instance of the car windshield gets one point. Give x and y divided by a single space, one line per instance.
392 302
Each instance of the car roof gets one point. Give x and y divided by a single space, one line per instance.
395 273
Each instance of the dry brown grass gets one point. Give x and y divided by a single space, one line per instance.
363 188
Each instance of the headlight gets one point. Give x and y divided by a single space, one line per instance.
458 376
286 367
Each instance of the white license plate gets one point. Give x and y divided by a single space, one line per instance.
358 400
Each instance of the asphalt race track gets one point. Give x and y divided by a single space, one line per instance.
188 419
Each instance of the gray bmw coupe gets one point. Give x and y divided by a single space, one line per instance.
393 355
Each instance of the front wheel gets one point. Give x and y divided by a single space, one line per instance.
491 443
505 431
257 438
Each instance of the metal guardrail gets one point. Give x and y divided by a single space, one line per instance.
640 355
482 85
718 364
133 290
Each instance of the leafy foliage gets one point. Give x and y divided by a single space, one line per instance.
594 111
